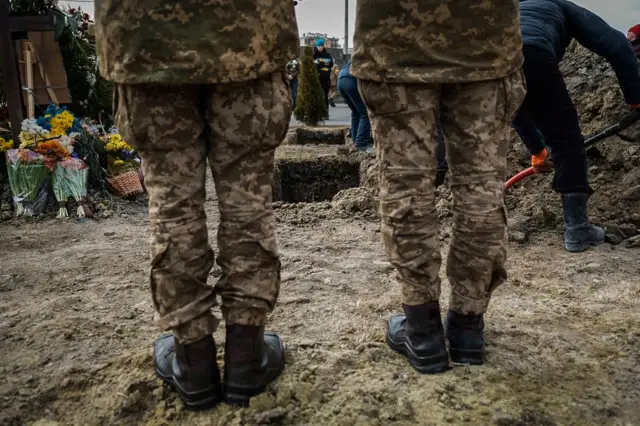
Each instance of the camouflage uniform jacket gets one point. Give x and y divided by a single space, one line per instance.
436 41
191 41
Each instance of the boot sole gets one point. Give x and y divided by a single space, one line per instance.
466 356
241 396
580 247
195 401
435 364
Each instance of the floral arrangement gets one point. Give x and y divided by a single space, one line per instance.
293 66
123 169
27 174
47 146
52 135
70 180
121 156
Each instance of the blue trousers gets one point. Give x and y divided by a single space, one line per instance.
293 84
360 124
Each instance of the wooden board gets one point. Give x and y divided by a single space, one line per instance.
49 76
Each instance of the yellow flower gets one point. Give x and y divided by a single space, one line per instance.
28 139
57 132
116 143
63 121
5 145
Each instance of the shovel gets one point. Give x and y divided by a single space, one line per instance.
627 121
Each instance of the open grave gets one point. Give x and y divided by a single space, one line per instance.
317 168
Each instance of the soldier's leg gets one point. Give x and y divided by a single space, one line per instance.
404 126
165 125
476 120
248 121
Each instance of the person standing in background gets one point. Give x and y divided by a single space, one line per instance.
413 60
293 72
324 63
360 125
188 92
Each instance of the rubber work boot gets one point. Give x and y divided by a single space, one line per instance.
465 334
191 370
579 233
252 360
418 335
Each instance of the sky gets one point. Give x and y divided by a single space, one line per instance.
327 16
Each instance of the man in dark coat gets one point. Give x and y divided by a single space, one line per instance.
548 26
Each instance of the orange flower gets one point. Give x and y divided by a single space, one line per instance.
52 149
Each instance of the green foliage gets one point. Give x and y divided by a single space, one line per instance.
91 149
90 94
31 7
310 105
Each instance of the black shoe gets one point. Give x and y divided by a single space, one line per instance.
252 360
333 104
465 334
419 336
191 370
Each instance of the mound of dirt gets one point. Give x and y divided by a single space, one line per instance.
358 202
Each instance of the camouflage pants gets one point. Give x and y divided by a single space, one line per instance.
236 127
475 118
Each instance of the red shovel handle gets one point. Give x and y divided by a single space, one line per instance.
523 174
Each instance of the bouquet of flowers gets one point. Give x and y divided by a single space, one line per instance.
293 66
44 142
27 175
123 164
70 180
52 135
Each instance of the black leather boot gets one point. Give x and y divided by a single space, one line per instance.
252 360
418 335
191 370
465 334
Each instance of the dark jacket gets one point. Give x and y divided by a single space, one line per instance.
635 45
552 24
324 63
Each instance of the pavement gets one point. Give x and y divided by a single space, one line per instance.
338 116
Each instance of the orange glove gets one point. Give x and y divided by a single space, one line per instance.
541 163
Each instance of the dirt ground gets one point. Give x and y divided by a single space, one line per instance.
76 331
563 332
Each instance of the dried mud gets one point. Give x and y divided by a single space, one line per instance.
563 332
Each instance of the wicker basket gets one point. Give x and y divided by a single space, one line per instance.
125 184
